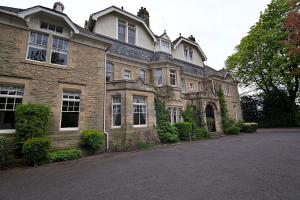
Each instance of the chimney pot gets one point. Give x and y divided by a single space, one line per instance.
59 7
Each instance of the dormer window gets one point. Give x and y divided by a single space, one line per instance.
165 46
51 27
191 53
131 34
185 52
121 31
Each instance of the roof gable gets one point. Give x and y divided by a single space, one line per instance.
111 9
182 39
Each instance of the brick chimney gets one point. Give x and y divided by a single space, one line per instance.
59 7
144 14
192 38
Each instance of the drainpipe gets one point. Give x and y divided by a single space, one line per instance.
104 103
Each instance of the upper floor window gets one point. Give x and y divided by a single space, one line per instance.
199 86
126 74
142 75
182 82
60 49
165 46
10 97
158 77
185 52
191 86
139 111
116 111
121 31
70 110
172 77
109 72
227 89
37 49
131 34
191 53
51 27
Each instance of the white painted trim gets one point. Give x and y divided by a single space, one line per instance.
114 9
36 9
69 129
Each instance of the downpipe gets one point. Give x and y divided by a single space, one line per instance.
104 104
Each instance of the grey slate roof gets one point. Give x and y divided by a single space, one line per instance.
10 9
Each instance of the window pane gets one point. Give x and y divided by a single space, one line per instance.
51 27
59 58
36 54
69 119
7 120
136 119
116 119
59 29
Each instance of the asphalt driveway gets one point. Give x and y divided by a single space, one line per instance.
263 165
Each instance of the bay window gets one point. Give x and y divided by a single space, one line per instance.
142 75
70 110
10 97
126 75
59 51
109 72
182 82
172 77
139 111
116 111
37 49
158 77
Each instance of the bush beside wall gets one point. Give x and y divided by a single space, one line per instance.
63 155
250 127
2 148
233 130
36 150
31 121
184 130
92 140
199 133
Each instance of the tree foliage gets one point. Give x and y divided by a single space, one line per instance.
226 122
263 58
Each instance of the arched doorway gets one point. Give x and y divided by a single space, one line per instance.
210 118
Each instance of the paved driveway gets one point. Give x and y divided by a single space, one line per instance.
263 165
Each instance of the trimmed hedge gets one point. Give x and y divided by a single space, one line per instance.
31 121
233 130
36 150
2 148
92 140
199 133
63 155
250 127
184 130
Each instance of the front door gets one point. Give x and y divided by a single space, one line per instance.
210 118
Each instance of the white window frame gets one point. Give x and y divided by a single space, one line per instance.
61 111
61 51
122 23
48 24
37 46
146 112
131 28
125 73
144 74
112 111
110 72
165 46
159 80
19 95
175 112
173 77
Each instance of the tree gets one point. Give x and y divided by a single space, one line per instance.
226 121
250 107
262 59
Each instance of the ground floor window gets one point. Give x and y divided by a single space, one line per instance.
10 97
70 110
175 115
139 111
116 111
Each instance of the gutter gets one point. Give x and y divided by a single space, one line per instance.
104 104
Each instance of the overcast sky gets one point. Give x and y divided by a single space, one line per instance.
217 25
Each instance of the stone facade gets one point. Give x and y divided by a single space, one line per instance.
89 51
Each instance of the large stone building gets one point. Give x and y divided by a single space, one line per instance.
46 58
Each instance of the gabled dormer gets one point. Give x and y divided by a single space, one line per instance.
121 25
164 43
188 50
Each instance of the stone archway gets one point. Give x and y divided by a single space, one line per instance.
210 118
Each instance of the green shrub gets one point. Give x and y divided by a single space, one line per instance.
240 124
31 121
92 140
250 127
63 155
298 118
199 133
184 130
233 130
166 132
2 148
35 150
